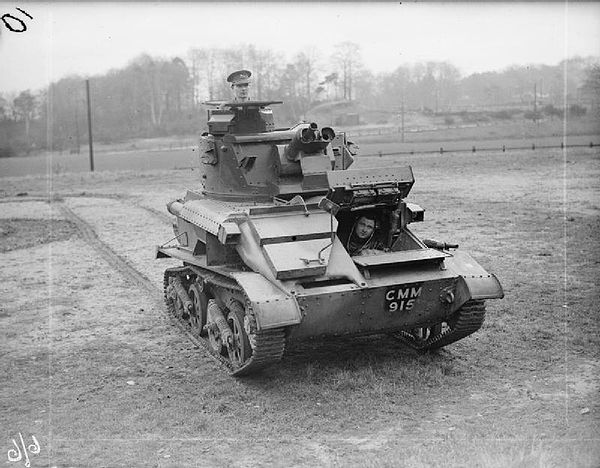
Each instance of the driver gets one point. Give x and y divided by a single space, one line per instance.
363 239
240 83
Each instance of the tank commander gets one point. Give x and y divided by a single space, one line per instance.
363 239
240 84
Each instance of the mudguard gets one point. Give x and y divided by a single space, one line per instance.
273 308
473 281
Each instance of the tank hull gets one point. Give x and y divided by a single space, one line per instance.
411 302
399 297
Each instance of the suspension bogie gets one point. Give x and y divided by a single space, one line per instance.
216 313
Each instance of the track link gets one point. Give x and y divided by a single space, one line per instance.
465 321
267 345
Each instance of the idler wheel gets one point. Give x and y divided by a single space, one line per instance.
199 312
422 334
214 339
240 351
218 333
179 309
181 301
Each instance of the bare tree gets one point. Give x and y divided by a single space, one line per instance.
329 81
24 106
306 64
591 87
177 80
347 58
447 78
4 108
258 64
205 72
197 58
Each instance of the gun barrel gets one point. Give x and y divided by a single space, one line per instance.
433 244
309 140
309 134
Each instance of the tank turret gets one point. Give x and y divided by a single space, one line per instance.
243 156
282 242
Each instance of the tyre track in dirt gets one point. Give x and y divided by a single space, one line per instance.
110 256
129 273
159 214
58 197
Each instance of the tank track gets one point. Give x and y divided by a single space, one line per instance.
267 345
465 321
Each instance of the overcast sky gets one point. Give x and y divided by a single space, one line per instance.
91 38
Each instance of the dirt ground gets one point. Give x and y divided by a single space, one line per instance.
93 368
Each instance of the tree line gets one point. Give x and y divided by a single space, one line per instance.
154 96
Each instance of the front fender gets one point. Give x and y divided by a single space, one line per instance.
272 307
473 281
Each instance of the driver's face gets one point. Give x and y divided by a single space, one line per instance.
240 91
364 228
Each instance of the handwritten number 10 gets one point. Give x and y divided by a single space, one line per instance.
11 26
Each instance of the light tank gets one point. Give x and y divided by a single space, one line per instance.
264 262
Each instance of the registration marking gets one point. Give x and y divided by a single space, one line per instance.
402 297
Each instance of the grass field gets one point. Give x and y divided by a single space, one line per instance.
95 371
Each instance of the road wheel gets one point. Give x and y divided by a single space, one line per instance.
241 350
198 316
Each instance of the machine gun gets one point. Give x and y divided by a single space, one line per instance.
309 140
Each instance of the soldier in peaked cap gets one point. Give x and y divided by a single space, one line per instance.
240 82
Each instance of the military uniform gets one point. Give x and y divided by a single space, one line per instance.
240 79
359 246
